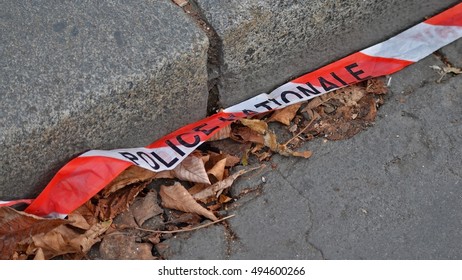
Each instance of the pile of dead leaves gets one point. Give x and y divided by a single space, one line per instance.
126 219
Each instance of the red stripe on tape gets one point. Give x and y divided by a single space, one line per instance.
450 17
354 68
75 183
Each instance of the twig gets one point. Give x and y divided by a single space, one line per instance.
300 132
185 230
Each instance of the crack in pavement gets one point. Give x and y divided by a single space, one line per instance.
310 211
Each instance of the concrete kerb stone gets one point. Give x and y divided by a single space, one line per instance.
79 75
266 43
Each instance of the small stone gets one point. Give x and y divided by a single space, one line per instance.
119 246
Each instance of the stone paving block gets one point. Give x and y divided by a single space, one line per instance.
79 75
266 43
274 225
205 244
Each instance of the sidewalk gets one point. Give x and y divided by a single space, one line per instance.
391 192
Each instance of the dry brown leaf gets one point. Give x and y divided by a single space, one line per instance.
282 149
223 133
304 154
368 105
347 112
213 159
246 134
78 221
85 241
376 86
64 240
145 208
131 175
197 188
256 125
232 160
166 174
285 115
118 201
218 170
53 243
16 226
88 212
205 158
221 185
191 169
350 95
224 199
177 197
39 255
317 101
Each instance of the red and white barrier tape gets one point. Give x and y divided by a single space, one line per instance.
86 175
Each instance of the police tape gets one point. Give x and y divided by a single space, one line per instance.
84 176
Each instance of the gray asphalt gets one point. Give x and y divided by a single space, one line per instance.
394 191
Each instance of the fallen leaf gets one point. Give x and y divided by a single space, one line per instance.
88 212
65 241
191 169
350 96
78 221
369 111
39 255
197 188
85 241
232 160
285 115
118 201
53 243
223 133
245 158
221 185
224 199
15 226
166 174
282 149
218 170
304 154
256 125
131 175
145 208
246 134
125 220
205 158
177 197
376 86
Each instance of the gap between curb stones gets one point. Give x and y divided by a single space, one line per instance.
214 55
